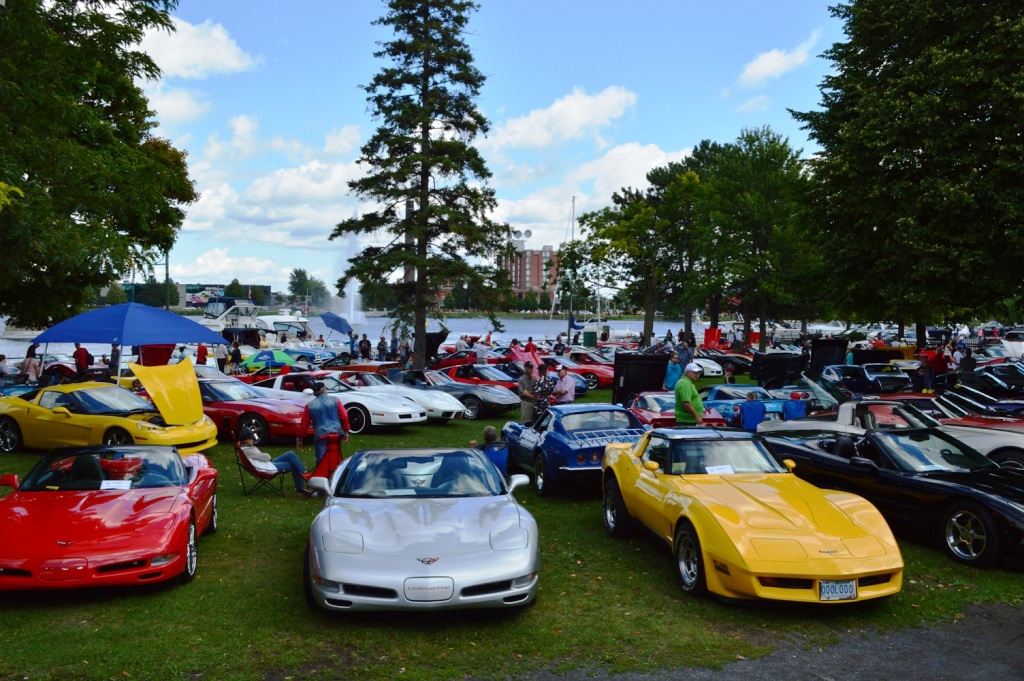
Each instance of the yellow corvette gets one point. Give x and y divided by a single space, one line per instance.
103 413
743 527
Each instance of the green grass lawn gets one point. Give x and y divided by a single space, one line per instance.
602 603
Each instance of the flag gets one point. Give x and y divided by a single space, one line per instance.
573 324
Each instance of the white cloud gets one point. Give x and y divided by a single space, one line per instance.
243 142
176 105
196 51
774 63
341 141
571 117
759 103
315 181
217 263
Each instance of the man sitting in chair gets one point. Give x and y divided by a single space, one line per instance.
288 462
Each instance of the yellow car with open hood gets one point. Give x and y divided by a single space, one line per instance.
743 527
103 413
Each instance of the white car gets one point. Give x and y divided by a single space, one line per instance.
364 409
440 406
708 368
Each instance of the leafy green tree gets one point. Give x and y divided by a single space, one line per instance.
426 179
258 297
530 301
544 301
101 194
235 289
918 183
116 294
157 294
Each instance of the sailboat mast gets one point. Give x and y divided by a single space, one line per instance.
572 274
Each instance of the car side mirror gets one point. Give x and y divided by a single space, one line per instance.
652 466
62 410
319 484
517 480
789 464
9 480
861 462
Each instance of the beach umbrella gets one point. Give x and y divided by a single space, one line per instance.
268 358
336 323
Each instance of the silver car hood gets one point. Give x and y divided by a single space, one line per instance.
401 524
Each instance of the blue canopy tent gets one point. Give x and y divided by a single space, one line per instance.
336 323
129 324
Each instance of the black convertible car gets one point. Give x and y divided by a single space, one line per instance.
927 485
480 400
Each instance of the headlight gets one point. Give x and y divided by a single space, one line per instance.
144 425
342 542
510 539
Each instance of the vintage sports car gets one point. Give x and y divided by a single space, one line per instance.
102 413
235 406
657 408
481 374
740 363
741 526
479 401
566 444
925 483
438 405
727 398
103 516
596 375
465 357
365 410
420 529
306 351
867 378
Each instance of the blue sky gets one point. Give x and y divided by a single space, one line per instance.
584 97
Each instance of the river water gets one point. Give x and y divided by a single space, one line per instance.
374 327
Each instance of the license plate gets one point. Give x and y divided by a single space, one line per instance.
837 590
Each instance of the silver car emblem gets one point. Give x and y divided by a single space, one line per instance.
418 482
428 561
828 551
65 543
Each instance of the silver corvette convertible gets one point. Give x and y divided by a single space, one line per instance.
420 529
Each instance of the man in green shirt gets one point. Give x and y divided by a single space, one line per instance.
689 408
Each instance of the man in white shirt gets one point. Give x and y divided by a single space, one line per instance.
565 387
288 462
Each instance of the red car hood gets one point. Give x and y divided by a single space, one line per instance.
31 523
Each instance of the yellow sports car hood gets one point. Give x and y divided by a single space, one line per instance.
772 502
174 390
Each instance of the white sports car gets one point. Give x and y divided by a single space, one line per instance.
420 529
440 406
364 409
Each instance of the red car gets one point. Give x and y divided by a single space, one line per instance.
588 357
485 374
465 357
658 408
106 515
596 375
234 406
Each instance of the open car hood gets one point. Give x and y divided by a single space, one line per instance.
174 390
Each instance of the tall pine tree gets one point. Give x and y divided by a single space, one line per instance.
429 207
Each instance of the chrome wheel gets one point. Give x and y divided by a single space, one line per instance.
10 435
191 553
358 419
689 560
617 521
117 436
971 535
257 424
472 405
591 380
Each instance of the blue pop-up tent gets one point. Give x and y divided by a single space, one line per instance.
129 324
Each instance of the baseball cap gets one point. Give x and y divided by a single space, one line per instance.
246 435
695 368
528 365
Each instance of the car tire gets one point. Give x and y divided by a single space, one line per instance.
474 409
358 419
728 364
191 553
307 581
970 535
302 358
1009 458
258 425
617 521
690 560
211 527
10 435
542 483
117 436
592 380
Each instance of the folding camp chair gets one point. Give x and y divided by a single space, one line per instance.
272 481
332 459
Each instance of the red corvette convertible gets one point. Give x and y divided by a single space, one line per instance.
486 374
106 515
596 375
658 408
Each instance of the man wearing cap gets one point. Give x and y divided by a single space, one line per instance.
527 382
328 416
689 407
289 462
794 407
565 387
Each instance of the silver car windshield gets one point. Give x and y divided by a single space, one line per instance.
932 450
385 475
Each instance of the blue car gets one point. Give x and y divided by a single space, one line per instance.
567 443
728 398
